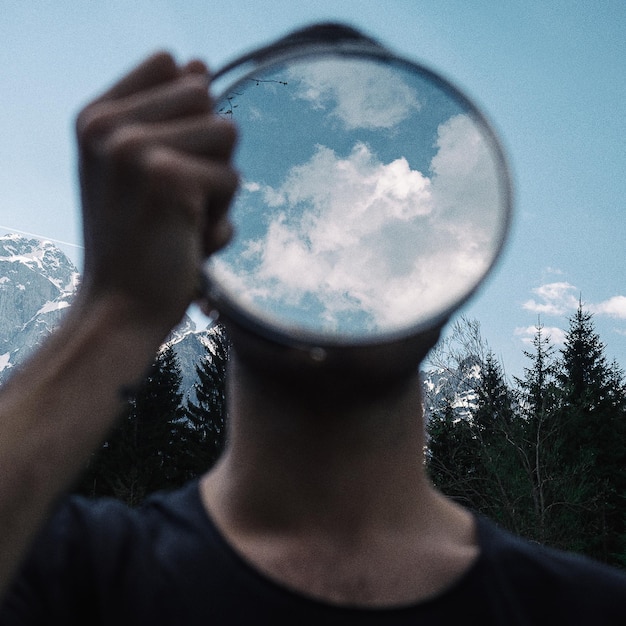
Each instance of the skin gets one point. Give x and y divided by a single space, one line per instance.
310 472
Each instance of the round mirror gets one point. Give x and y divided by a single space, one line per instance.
374 198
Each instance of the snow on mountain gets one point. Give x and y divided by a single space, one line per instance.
456 384
191 346
37 285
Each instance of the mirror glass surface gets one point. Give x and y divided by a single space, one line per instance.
373 199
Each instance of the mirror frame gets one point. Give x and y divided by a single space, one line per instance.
341 40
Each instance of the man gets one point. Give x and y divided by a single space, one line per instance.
320 509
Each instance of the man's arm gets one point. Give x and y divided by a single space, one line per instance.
156 181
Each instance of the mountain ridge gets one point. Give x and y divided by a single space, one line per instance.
37 285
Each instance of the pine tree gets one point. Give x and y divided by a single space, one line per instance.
143 452
593 417
555 497
497 430
584 369
470 454
452 454
495 401
206 416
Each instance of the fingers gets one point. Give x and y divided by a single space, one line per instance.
195 66
188 159
158 120
200 189
157 90
156 69
206 136
206 186
176 114
181 97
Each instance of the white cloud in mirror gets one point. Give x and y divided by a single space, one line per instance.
358 246
358 93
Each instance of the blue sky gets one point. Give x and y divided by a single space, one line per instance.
551 75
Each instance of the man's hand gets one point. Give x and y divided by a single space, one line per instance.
156 181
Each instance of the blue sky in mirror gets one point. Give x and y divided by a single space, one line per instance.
369 201
551 78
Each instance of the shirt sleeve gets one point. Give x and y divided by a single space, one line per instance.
81 568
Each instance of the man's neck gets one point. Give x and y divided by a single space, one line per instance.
322 453
303 481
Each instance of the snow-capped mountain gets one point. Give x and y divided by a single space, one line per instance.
37 285
457 385
191 345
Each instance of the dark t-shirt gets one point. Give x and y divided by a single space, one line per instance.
166 563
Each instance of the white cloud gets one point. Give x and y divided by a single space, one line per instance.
554 270
555 299
359 93
562 298
555 334
556 291
251 186
546 308
363 236
613 307
465 179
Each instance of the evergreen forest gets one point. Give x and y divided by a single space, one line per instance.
543 454
162 440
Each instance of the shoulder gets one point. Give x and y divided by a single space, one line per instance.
107 523
98 553
568 586
107 531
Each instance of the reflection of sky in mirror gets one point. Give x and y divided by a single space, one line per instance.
367 202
